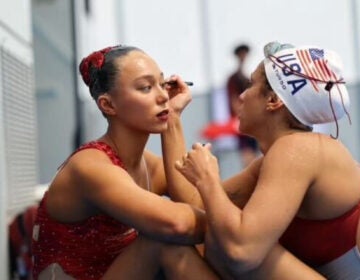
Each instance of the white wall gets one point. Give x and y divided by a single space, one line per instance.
324 23
195 38
15 36
173 33
190 35
55 86
15 28
95 30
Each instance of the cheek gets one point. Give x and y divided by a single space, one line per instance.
138 113
132 105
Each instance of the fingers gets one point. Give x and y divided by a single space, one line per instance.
201 145
195 147
178 165
175 82
185 157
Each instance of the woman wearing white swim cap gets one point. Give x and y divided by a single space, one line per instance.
304 192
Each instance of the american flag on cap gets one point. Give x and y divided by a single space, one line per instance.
315 66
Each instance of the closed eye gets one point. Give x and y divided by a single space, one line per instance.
145 88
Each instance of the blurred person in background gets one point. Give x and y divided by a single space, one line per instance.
236 84
304 191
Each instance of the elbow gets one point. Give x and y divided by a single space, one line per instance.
241 260
181 229
185 230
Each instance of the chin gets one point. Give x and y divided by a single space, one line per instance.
244 131
159 129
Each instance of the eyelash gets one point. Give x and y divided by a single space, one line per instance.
145 88
149 87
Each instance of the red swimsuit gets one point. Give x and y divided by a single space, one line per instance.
317 242
85 249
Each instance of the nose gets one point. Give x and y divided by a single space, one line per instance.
240 97
162 95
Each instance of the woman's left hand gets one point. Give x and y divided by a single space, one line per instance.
199 166
179 94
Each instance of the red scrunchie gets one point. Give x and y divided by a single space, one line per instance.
95 59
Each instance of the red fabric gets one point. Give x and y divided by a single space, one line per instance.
20 231
319 242
214 130
84 249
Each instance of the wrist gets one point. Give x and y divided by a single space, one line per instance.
207 183
174 118
175 113
174 128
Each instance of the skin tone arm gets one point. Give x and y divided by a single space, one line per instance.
94 188
238 187
173 145
248 235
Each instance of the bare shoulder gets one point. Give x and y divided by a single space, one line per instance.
89 168
296 154
87 172
315 147
81 175
298 146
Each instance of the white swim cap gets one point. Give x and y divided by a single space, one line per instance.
308 80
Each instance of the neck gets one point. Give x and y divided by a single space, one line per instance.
270 134
128 146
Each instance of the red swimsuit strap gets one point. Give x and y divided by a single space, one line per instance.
102 146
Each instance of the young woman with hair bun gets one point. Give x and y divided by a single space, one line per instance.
105 202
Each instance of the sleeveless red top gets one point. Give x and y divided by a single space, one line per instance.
85 249
317 242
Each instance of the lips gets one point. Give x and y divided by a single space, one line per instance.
163 113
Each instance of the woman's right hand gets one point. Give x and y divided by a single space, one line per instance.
199 166
179 94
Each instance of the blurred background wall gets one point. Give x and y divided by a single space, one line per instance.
18 125
46 111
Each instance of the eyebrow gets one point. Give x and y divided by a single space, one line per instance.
149 77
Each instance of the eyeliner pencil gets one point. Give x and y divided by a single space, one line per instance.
173 83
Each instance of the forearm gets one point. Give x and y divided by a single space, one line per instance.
223 217
240 187
280 264
174 147
187 226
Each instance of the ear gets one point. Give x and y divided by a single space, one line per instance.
273 102
106 105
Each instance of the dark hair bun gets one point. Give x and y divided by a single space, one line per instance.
96 60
